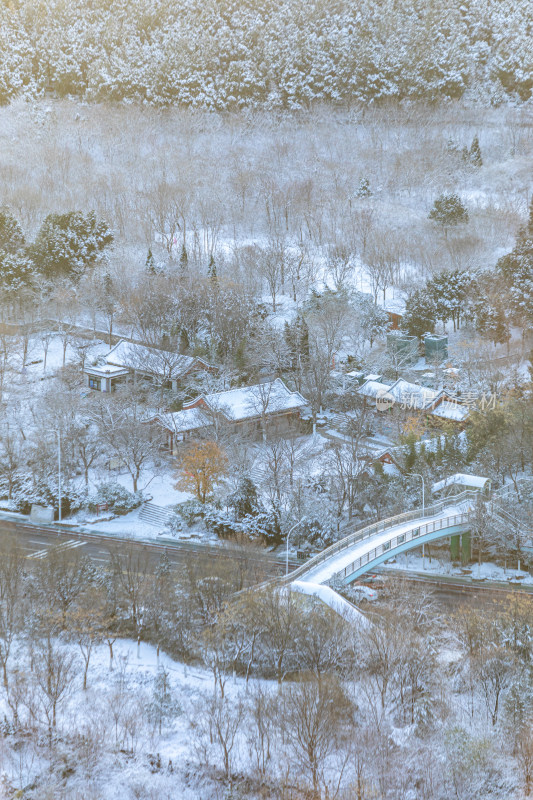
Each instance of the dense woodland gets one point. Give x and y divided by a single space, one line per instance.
230 55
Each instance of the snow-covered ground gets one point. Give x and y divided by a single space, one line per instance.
414 562
161 764
35 370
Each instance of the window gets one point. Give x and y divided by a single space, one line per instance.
94 383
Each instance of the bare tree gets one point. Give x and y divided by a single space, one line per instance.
270 267
524 756
54 674
86 624
131 573
125 434
65 310
11 454
262 715
493 670
59 580
312 716
11 600
280 613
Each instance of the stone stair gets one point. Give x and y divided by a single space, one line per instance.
338 422
155 515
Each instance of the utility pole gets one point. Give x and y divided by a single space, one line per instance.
58 432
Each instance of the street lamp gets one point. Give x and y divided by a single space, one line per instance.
287 551
58 434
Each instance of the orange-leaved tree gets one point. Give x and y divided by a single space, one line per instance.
202 466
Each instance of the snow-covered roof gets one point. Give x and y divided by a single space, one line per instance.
412 395
252 401
372 388
191 419
395 306
106 371
452 410
409 395
460 479
151 360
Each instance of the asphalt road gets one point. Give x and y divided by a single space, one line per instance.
259 564
36 541
453 592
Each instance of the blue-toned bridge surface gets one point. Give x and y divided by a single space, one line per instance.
365 549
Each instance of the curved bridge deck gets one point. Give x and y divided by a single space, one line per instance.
364 550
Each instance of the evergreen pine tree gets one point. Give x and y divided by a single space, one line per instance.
516 269
420 313
289 339
163 707
438 453
448 210
184 259
363 189
150 263
410 458
184 341
240 357
108 283
245 500
530 221
303 339
212 268
11 235
475 153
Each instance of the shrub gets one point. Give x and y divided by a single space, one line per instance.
173 525
190 511
119 499
25 494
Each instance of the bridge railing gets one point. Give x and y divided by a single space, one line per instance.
377 527
522 484
406 536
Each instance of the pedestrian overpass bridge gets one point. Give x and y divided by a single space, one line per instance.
367 548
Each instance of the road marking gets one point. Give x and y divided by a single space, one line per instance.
70 545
